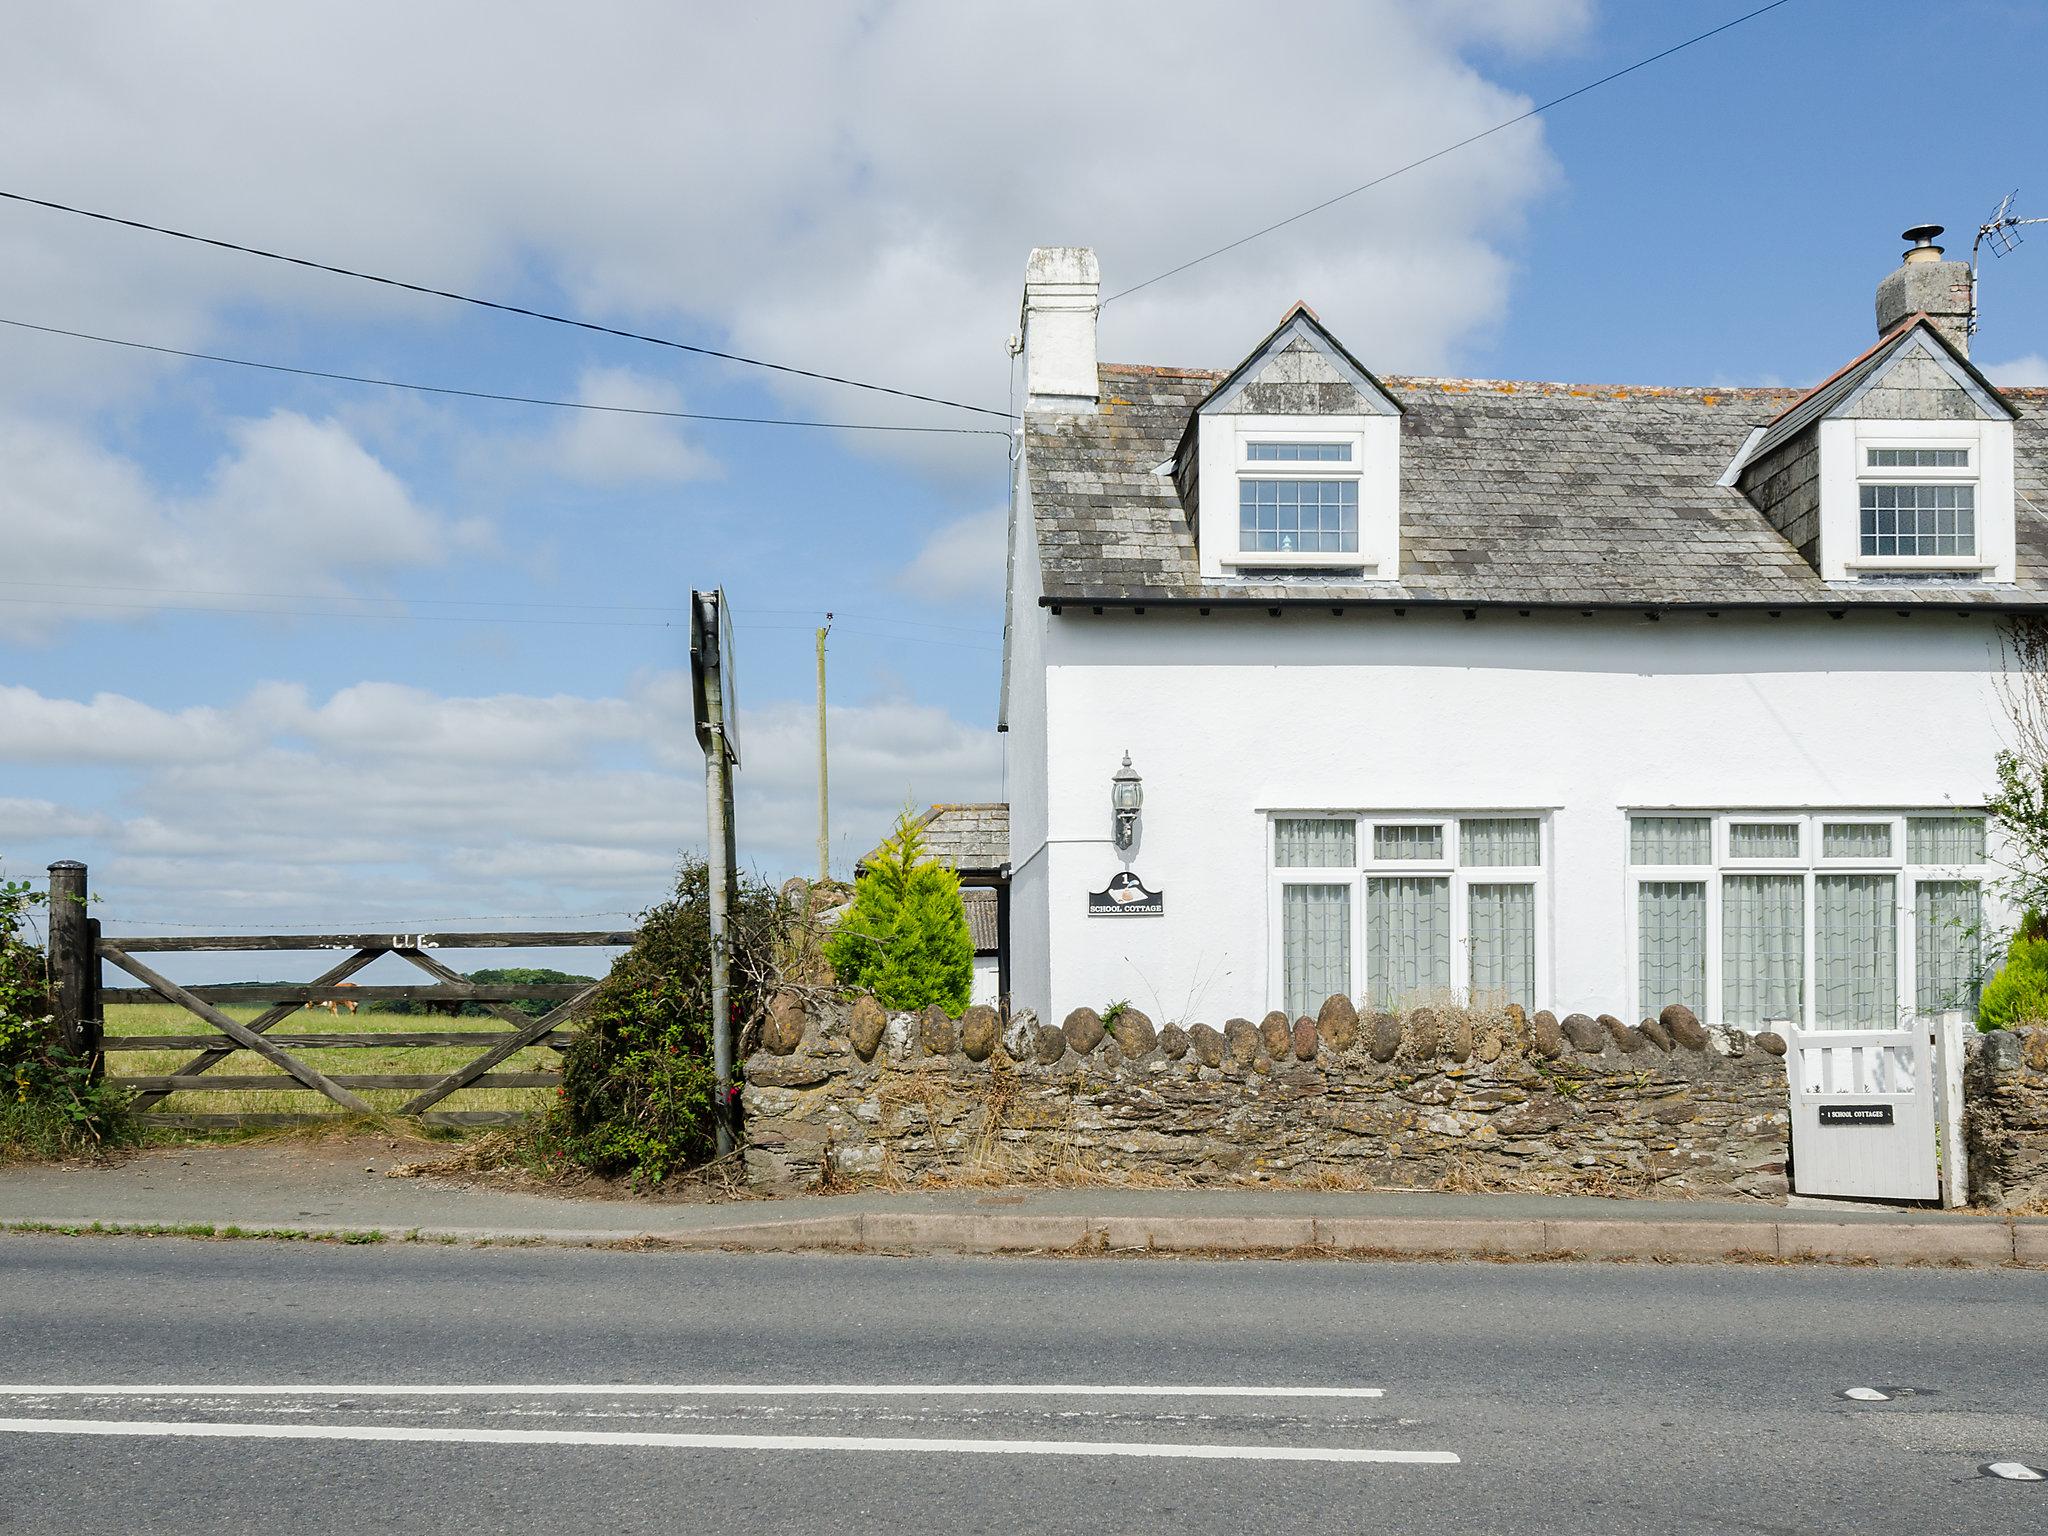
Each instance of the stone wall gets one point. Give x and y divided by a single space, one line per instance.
2005 1097
1437 1098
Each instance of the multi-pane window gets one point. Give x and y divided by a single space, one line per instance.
1828 921
1317 517
1407 910
1298 453
1919 520
1928 512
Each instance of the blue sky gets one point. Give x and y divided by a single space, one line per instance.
463 695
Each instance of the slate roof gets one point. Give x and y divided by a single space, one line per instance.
972 838
1511 494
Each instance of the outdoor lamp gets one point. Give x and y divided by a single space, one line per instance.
1126 794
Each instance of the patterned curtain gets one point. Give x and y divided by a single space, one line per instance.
1763 839
1945 840
1497 841
1948 965
1670 840
1503 930
1671 945
1855 952
1315 941
1407 937
1855 840
1314 842
1763 948
1402 845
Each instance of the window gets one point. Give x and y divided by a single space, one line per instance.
1928 515
1824 921
1298 499
1444 905
1317 517
1298 453
1920 520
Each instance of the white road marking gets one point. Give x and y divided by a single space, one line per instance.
647 1438
1867 1395
695 1389
2015 1472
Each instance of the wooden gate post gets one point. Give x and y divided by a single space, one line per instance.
74 961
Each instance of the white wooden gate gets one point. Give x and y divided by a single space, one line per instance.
1864 1108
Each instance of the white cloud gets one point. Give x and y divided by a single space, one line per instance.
380 797
962 559
874 222
610 448
2029 372
295 506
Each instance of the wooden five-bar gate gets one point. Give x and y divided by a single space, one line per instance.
79 952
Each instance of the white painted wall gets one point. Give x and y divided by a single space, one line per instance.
987 980
1238 714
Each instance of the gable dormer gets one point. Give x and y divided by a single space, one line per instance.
1295 458
1899 467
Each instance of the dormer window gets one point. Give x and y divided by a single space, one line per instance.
1297 498
1292 465
1917 504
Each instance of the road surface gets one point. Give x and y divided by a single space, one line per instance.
417 1387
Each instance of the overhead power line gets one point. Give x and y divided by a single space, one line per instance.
1536 111
495 304
483 394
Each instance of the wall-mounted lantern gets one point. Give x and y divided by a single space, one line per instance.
1126 795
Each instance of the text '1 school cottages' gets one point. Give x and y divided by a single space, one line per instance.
1584 698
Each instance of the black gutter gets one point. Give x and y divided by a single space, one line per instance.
1469 606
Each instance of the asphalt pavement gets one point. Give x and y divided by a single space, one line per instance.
169 1385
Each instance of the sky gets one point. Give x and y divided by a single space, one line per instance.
279 652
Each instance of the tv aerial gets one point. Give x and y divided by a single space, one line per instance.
2001 232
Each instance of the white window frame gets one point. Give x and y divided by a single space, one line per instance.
1906 878
1845 468
1224 463
1365 866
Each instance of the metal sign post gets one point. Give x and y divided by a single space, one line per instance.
716 710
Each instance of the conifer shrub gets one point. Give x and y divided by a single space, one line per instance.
905 936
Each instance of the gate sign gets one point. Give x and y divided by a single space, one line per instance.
1856 1114
1126 896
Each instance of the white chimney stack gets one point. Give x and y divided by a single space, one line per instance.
1062 286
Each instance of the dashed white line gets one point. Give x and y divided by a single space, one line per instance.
705 1442
695 1389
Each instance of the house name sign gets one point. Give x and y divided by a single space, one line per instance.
1126 896
1856 1114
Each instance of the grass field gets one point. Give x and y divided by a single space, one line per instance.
132 1019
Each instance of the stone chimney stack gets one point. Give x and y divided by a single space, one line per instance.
1062 286
1925 284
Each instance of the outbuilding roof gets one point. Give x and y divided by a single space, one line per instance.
1530 494
973 839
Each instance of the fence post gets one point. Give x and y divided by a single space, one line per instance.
1948 1107
74 961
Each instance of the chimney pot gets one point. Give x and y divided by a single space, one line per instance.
1062 289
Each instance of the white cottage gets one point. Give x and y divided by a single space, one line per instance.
1588 698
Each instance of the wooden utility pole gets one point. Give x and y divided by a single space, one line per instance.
824 803
710 658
